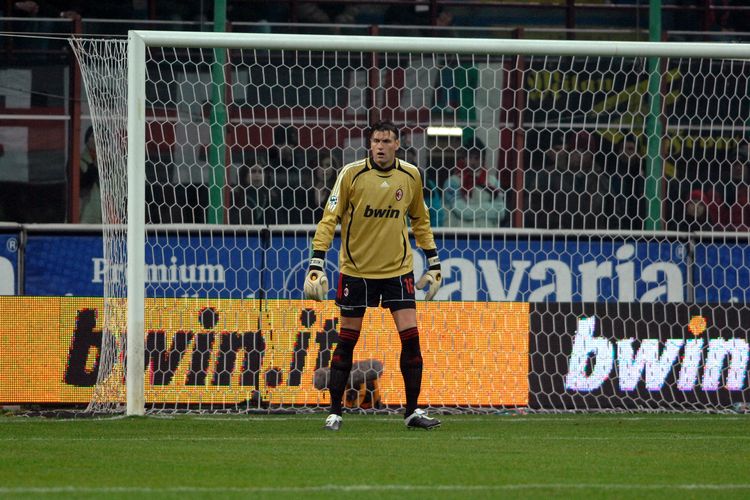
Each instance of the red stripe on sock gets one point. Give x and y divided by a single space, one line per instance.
348 334
409 333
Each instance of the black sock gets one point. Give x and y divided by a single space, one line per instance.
341 366
411 367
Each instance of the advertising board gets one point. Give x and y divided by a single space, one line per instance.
247 265
224 352
595 356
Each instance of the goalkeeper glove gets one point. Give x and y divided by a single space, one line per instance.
316 283
432 277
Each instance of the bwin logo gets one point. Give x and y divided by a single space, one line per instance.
7 277
382 213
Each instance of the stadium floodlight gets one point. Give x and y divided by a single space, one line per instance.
212 177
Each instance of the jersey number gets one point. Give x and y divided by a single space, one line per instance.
409 284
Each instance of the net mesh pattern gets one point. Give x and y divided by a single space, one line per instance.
104 71
563 206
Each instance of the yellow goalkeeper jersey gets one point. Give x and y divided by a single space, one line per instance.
372 206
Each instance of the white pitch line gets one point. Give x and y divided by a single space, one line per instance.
339 437
670 437
327 438
373 488
628 418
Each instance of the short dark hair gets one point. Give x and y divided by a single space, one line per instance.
384 126
474 152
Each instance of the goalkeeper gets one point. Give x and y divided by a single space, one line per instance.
371 199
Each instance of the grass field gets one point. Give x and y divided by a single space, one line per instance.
645 456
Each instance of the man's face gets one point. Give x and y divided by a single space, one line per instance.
695 209
474 161
383 147
256 176
287 155
629 148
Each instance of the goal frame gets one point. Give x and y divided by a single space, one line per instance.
140 40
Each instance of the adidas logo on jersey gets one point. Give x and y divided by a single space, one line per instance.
382 213
384 185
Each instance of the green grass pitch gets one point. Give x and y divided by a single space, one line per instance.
373 456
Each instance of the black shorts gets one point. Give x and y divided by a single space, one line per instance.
354 295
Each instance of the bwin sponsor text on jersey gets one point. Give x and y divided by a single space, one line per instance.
382 213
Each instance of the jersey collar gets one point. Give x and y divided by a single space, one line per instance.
374 166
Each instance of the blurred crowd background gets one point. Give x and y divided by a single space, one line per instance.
572 179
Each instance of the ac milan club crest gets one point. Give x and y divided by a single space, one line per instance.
399 194
346 291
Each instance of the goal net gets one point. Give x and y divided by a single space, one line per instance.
589 201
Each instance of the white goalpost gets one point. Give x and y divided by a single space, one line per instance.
136 237
562 178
